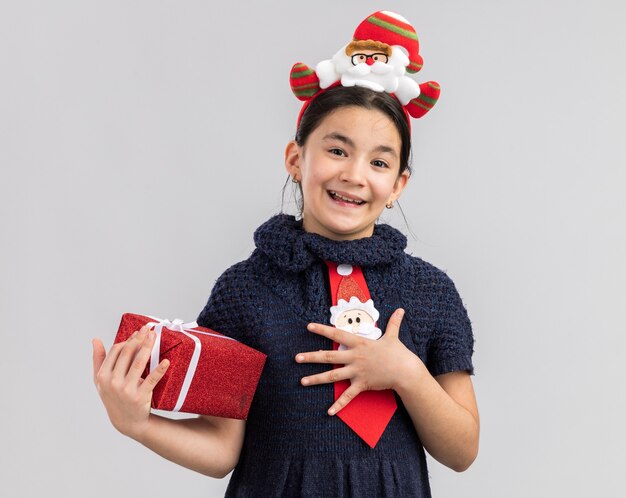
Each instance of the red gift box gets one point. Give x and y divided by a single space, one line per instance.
209 373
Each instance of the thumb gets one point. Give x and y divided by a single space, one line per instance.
98 356
393 326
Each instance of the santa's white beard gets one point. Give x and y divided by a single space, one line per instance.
363 69
380 77
366 330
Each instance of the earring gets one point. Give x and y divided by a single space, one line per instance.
389 205
295 180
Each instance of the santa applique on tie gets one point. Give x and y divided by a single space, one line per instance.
353 311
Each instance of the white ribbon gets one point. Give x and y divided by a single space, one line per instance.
177 325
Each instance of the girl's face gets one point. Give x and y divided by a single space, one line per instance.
348 169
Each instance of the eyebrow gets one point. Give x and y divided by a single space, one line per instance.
350 142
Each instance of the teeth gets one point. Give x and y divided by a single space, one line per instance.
345 199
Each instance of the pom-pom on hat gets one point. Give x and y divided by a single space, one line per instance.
383 50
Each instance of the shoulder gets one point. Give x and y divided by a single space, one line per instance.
234 298
424 276
241 275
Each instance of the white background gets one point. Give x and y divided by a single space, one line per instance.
141 143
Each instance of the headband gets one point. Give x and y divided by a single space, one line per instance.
383 49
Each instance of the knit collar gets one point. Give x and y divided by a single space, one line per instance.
284 241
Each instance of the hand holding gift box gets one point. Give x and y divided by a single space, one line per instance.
209 373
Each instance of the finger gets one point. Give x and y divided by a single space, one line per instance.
98 356
393 326
334 334
142 357
128 352
155 376
333 375
109 362
345 398
324 356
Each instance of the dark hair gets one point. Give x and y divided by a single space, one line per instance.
340 96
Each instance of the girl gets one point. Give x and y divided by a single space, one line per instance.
350 160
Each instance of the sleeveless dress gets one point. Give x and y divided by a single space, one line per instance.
292 447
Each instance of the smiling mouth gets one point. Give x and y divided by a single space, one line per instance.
337 197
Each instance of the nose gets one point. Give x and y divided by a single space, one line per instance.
353 172
369 61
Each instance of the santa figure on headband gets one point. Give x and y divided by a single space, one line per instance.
383 49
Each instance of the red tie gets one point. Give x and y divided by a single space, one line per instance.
370 411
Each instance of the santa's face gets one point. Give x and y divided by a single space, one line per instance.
368 57
354 319
348 169
375 68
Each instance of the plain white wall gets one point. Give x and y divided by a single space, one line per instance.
141 144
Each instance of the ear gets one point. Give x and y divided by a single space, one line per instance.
399 186
293 153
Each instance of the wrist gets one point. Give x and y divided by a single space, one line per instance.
409 369
140 432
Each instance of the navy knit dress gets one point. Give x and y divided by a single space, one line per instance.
292 447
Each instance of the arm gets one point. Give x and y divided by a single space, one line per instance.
209 445
443 410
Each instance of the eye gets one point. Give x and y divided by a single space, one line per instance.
358 320
350 321
337 152
380 164
380 57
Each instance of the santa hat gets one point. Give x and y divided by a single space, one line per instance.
350 296
392 29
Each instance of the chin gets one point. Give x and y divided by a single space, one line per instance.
339 226
350 232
